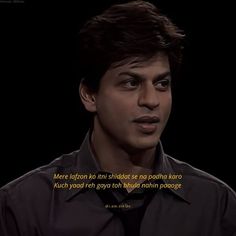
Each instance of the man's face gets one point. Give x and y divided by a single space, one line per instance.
133 102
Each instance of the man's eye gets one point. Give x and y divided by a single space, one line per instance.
163 84
131 83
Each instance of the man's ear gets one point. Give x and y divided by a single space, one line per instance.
87 97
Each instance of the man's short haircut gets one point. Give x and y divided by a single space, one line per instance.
134 29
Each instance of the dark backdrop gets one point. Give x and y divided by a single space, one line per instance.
41 116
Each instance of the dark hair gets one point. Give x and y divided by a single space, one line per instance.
134 29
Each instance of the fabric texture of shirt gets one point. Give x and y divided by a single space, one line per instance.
32 206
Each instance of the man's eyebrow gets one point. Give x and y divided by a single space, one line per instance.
138 76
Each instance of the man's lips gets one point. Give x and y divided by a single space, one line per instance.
147 119
147 124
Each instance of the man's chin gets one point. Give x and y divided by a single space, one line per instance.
147 146
146 143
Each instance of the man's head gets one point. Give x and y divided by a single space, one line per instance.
127 56
134 29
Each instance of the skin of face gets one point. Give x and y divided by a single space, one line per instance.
133 103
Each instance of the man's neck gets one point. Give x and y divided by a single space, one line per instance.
115 159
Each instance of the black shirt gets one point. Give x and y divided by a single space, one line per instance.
32 206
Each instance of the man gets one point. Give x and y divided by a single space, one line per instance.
129 55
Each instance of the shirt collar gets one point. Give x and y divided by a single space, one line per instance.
163 166
87 164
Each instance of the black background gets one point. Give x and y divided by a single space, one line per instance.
41 116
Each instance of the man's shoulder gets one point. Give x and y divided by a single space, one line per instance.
197 179
27 200
41 178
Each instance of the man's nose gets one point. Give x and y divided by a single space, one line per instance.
149 97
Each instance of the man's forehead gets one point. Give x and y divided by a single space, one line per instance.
151 68
155 64
138 61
